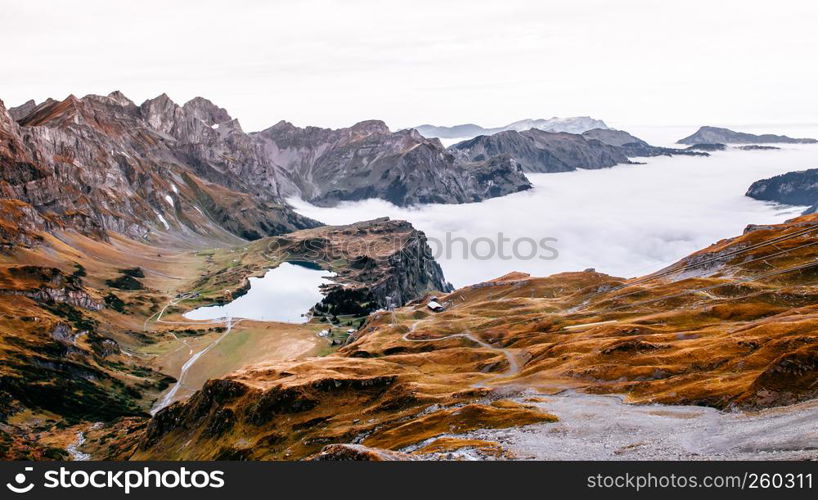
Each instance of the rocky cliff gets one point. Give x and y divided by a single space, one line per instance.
101 163
378 264
368 161
540 152
792 188
717 135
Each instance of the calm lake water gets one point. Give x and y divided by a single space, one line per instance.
283 294
627 221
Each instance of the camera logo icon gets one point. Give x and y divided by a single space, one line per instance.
20 485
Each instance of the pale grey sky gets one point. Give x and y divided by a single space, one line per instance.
333 63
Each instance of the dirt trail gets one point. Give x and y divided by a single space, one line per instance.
511 358
168 397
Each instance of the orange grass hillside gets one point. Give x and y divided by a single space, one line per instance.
730 326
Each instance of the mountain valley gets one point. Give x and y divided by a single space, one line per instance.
117 220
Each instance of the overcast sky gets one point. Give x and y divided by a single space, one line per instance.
411 62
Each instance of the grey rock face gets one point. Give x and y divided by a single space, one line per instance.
716 135
101 164
618 138
368 161
793 188
538 151
22 110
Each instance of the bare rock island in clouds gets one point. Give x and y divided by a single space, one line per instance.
717 135
792 188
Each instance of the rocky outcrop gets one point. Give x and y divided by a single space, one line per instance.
387 263
572 125
717 135
78 298
20 225
792 188
23 110
47 285
542 152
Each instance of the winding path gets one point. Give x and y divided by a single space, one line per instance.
511 358
167 398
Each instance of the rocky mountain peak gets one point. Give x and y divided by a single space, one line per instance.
4 113
283 124
159 105
206 111
120 98
21 111
415 135
370 127
164 115
53 112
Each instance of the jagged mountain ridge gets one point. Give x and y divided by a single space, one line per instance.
573 125
96 165
103 163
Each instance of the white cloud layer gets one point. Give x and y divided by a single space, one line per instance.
332 63
626 221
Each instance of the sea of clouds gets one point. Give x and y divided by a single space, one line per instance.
625 221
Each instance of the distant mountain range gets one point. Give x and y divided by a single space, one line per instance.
572 125
717 135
